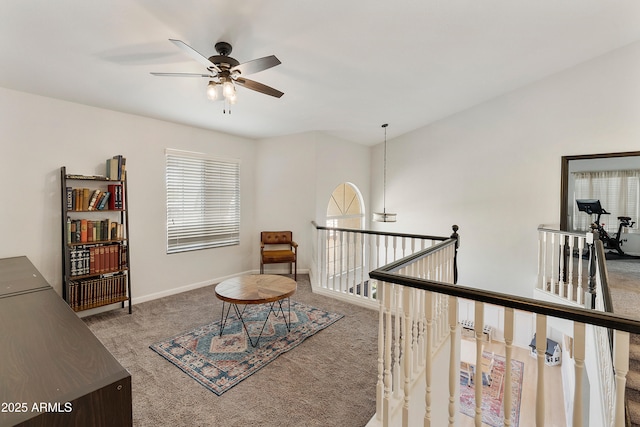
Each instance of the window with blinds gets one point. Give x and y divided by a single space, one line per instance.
203 201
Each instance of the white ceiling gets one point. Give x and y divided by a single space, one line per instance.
347 65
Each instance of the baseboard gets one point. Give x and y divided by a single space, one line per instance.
192 286
362 302
185 288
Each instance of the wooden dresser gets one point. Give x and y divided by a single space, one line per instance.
53 370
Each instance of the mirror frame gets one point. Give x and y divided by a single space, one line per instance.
564 178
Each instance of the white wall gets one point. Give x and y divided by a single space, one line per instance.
296 175
39 135
285 182
495 169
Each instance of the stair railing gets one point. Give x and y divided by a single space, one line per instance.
342 257
572 267
425 308
562 263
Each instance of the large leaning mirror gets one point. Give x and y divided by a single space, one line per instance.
611 178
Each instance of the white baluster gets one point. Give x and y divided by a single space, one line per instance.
428 306
404 247
554 270
580 292
347 256
421 328
508 383
324 264
380 384
578 358
340 269
423 318
570 283
454 365
621 364
398 339
407 359
544 261
477 378
386 410
395 248
541 348
541 272
561 292
415 322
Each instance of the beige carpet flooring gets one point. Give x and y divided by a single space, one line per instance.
624 284
329 380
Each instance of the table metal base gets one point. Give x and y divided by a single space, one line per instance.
223 317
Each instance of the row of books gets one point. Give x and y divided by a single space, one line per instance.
87 231
116 168
100 259
84 294
85 199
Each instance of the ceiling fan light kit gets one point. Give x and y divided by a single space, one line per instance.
224 72
384 216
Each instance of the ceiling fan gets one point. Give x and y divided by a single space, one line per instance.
224 72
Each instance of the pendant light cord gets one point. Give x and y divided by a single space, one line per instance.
384 172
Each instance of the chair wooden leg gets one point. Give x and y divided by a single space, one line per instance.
295 271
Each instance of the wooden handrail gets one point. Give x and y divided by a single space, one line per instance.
578 314
542 227
379 233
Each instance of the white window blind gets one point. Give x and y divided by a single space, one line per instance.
618 192
203 201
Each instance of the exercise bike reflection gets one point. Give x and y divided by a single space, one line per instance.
615 241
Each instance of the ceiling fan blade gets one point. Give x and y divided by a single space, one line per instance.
183 75
194 54
259 87
256 65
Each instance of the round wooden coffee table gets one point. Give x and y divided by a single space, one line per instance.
255 289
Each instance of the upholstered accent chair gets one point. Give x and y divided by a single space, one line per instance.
278 247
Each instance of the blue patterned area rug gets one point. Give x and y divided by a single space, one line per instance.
220 362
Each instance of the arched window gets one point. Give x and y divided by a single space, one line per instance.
345 209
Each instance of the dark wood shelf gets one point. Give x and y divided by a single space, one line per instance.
93 290
98 275
91 178
97 242
96 210
114 300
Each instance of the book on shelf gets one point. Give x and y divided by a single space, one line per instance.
115 200
115 168
85 199
88 231
89 293
69 198
86 195
103 200
101 259
93 199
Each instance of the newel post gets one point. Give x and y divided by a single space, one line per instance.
590 294
456 236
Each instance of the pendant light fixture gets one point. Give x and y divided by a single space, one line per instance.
384 216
